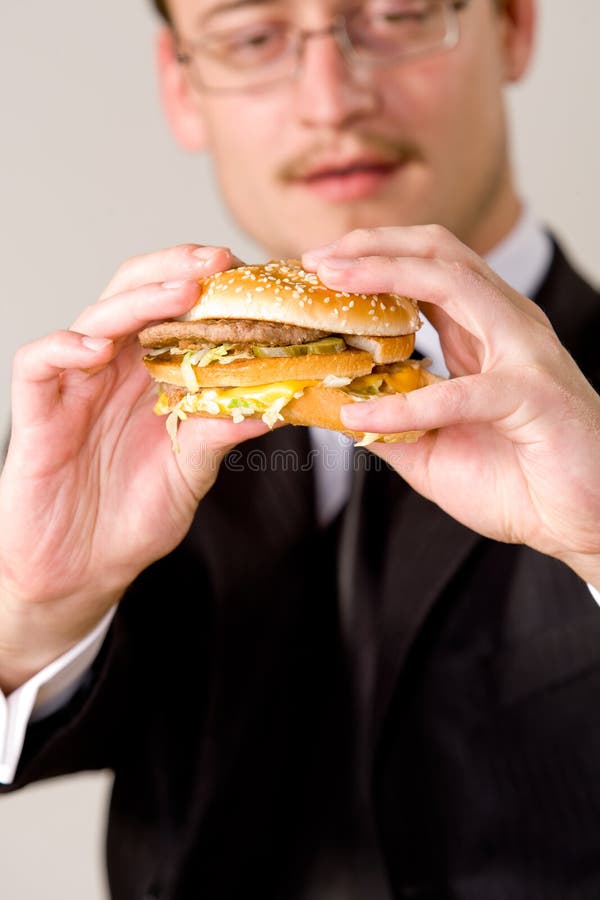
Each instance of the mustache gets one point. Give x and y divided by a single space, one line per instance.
388 151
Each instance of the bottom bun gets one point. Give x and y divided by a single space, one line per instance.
320 407
310 404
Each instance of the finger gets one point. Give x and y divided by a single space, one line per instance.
466 296
184 263
38 366
469 400
201 444
127 313
423 241
420 242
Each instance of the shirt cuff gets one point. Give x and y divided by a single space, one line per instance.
44 693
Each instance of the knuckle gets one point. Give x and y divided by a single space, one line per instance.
437 236
87 311
462 273
26 354
188 247
364 236
132 263
367 235
20 358
455 399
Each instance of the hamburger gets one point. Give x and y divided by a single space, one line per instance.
273 342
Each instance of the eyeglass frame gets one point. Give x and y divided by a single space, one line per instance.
338 30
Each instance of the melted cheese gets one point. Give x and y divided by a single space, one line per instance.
237 402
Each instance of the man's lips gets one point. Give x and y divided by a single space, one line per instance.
342 171
352 181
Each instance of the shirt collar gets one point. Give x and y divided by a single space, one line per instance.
524 256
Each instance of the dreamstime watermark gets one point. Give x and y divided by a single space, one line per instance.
326 457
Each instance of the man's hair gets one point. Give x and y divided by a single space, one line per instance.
163 9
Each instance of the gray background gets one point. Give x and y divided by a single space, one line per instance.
90 176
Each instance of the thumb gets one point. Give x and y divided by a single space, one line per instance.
470 399
201 443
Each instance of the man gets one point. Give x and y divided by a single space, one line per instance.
402 701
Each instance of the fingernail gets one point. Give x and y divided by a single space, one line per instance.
204 253
336 262
320 251
95 343
356 413
173 285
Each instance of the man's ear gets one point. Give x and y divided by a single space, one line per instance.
518 34
180 102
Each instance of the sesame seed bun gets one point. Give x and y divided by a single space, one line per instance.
282 291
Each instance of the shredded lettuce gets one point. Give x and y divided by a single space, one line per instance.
187 370
335 381
205 357
172 425
368 437
273 413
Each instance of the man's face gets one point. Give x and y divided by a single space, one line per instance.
339 147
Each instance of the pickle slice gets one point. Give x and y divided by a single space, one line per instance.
325 345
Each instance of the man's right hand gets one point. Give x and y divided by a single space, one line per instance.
91 492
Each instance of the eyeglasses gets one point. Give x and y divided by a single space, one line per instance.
267 50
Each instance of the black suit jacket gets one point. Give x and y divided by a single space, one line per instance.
391 708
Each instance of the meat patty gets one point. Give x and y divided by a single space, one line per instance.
196 335
174 393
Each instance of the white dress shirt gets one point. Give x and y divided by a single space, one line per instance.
522 259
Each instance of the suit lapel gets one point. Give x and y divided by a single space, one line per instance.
389 585
425 550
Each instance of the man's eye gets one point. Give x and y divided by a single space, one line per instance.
401 13
400 18
254 46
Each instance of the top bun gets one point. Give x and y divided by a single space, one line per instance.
282 291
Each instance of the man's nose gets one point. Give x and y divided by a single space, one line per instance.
329 91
